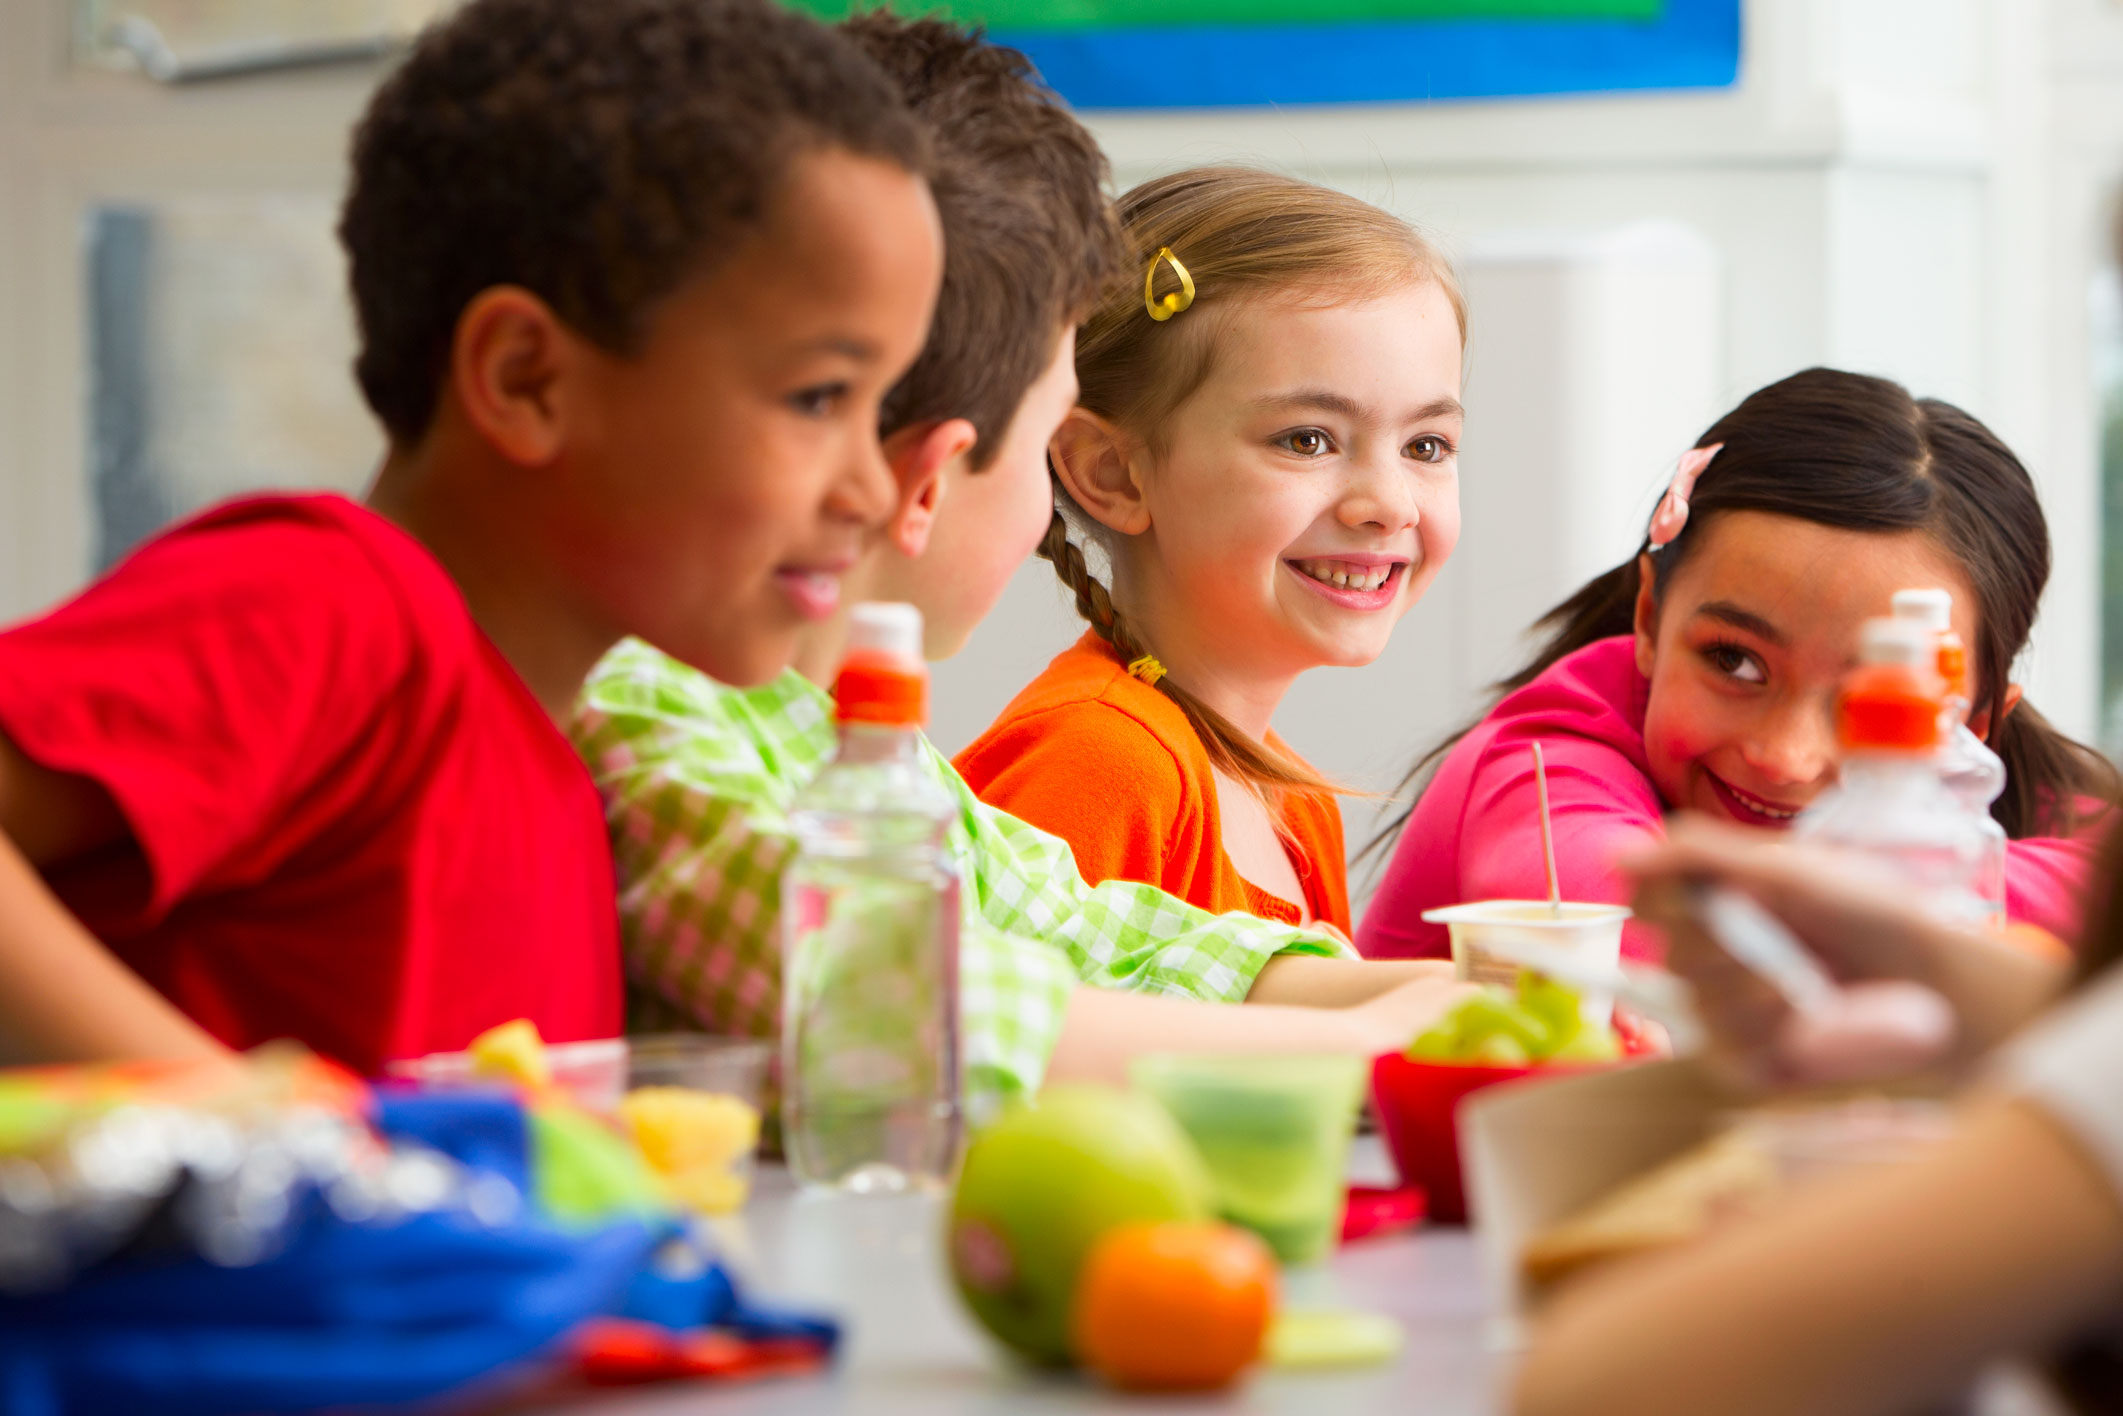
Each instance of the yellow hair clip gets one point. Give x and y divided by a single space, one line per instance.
1147 668
1164 307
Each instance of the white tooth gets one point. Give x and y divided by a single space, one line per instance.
1341 579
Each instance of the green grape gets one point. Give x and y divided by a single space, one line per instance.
1500 1050
1555 1005
1589 1045
1541 1022
1440 1043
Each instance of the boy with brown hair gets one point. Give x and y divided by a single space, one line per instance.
632 279
699 777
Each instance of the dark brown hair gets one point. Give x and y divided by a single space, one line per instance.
597 154
1846 450
1029 234
1242 233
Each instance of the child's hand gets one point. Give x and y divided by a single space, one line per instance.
1395 1018
1917 991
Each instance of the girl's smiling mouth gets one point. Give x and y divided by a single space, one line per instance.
1353 582
1747 808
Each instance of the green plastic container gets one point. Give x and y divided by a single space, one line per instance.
1275 1133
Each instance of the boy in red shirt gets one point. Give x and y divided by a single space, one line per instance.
632 279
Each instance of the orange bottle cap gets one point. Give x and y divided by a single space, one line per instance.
1953 664
874 687
1888 707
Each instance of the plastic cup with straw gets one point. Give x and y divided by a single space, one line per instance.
1484 931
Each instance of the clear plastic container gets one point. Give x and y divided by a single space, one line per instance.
1889 803
871 1090
706 1144
1968 769
593 1073
1274 1131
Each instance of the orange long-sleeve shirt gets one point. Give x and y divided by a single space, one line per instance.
1113 767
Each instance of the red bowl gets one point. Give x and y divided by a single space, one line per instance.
1417 1103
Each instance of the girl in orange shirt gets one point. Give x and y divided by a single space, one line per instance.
1264 453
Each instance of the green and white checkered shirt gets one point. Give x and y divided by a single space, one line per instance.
698 779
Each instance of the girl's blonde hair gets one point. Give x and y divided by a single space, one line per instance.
1241 233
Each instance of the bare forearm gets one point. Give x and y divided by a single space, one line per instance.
1874 1294
1995 986
66 998
1336 983
1105 1029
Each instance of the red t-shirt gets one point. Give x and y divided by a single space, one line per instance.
352 824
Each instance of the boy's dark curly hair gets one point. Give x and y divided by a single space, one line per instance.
1029 232
596 152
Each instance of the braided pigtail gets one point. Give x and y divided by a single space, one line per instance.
1231 750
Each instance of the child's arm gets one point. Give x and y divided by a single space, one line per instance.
1104 1029
1337 983
63 996
1886 1292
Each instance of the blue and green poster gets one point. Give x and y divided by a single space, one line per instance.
1223 53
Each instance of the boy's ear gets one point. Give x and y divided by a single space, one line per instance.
919 456
506 363
1097 465
1647 613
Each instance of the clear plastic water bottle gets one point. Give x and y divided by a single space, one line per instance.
1889 803
871 1090
1968 768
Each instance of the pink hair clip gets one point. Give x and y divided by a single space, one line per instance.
1672 515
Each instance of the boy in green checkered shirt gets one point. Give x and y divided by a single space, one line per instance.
1057 977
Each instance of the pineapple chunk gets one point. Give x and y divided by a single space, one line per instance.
708 1190
681 1130
512 1052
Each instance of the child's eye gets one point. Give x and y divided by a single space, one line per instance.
817 401
1305 442
1430 448
1736 663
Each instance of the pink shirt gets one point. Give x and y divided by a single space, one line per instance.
1475 834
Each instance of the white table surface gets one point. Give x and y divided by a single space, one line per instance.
907 1347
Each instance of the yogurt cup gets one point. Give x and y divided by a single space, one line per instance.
1592 933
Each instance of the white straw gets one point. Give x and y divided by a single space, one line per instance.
1540 781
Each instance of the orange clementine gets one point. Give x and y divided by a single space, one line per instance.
1173 1306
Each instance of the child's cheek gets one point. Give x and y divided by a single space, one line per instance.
1440 532
1679 731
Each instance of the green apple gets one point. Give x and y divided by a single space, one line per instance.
1042 1185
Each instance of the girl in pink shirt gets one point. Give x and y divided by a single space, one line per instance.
1701 674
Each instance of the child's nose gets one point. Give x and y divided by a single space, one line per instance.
1381 496
1795 747
865 491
